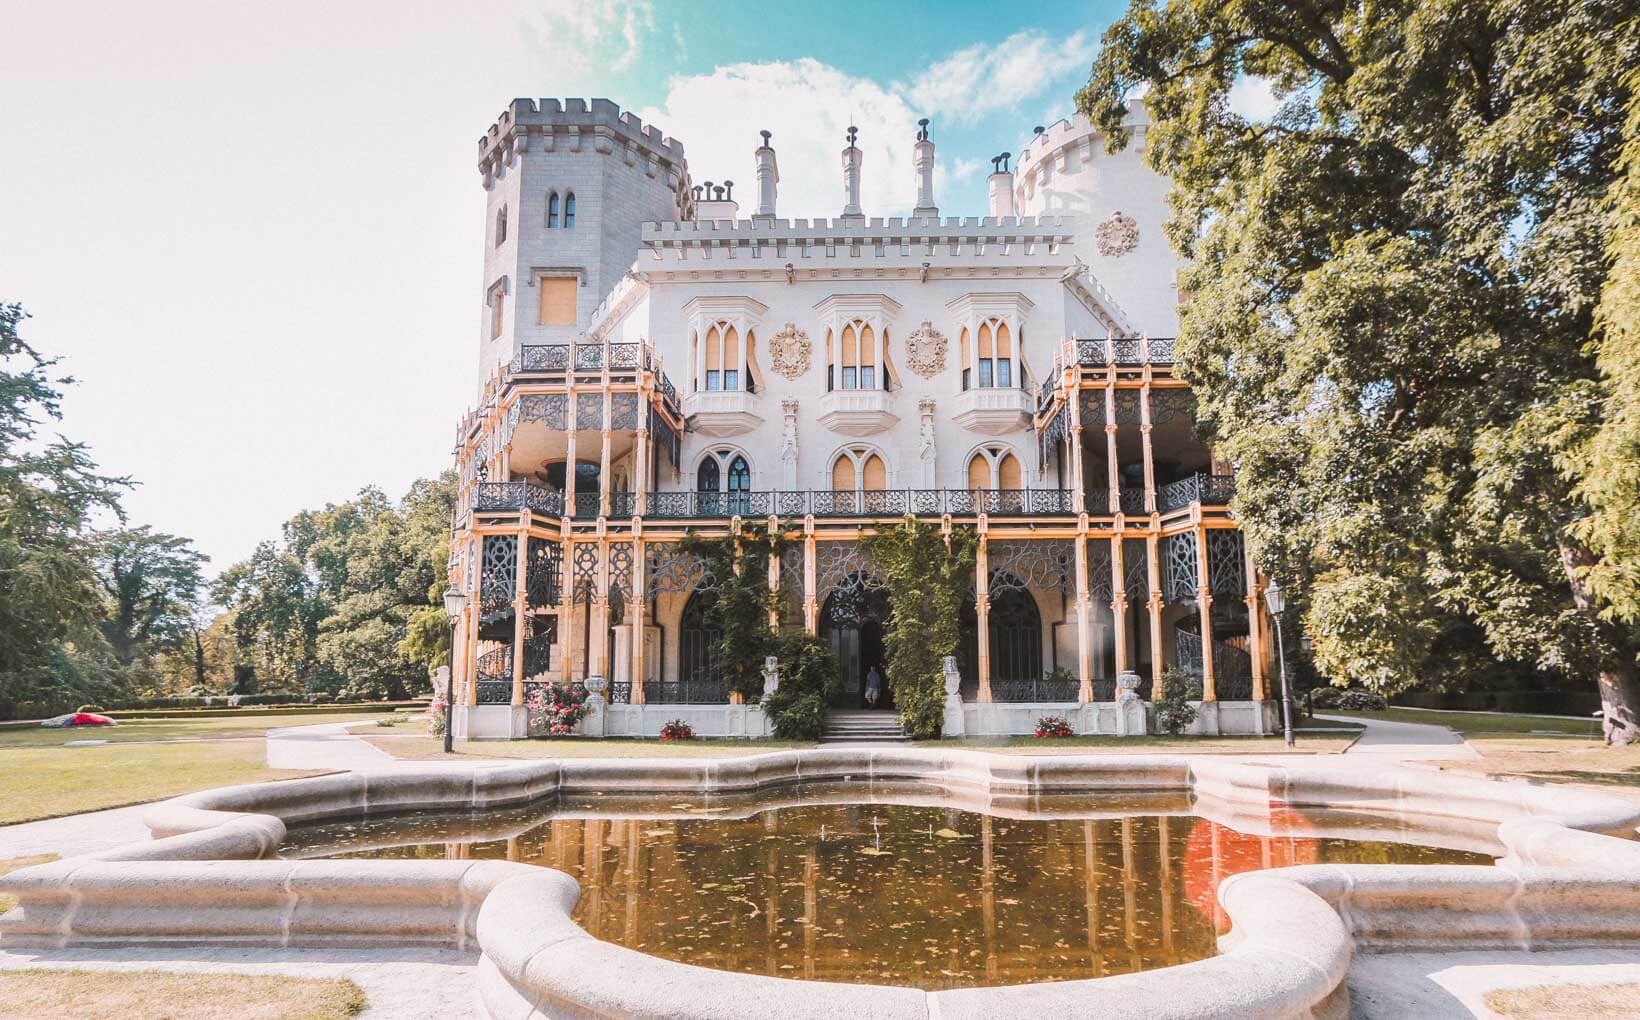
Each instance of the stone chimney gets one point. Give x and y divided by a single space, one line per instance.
768 175
1001 182
716 202
922 156
851 178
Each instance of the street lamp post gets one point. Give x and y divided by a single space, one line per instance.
1276 600
454 602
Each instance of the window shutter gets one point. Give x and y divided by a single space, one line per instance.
557 300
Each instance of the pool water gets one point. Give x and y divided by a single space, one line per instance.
885 893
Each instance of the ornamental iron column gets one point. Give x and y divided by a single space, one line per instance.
1257 634
520 612
640 605
1158 660
566 615
1204 599
1084 651
982 614
1079 499
599 612
1144 438
1113 468
811 604
1118 602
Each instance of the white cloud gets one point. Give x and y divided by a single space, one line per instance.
987 77
808 106
584 34
1253 98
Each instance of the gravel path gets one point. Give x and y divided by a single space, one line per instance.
1403 741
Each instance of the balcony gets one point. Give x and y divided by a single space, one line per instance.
993 410
1208 490
1135 351
826 503
857 412
723 413
493 497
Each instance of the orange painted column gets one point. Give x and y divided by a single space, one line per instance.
1084 624
1118 603
982 612
1158 660
1204 599
520 612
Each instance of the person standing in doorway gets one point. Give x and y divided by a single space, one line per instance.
874 687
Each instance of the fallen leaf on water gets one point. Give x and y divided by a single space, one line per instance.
657 832
948 833
874 852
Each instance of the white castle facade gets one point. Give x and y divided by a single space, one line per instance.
657 360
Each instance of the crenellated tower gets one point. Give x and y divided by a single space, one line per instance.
569 185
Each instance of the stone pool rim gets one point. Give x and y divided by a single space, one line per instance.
1565 882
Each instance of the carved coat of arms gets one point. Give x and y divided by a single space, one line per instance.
789 351
1117 236
925 351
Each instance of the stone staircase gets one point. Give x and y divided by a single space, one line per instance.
859 726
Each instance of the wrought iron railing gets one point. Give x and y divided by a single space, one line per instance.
1132 500
862 503
685 692
1232 666
542 358
494 496
1129 351
620 693
588 504
589 357
623 504
1038 690
1210 490
624 357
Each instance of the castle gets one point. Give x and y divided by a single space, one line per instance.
655 362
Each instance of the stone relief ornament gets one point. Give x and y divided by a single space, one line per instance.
789 351
925 351
1118 235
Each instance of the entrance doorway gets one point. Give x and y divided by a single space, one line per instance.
851 621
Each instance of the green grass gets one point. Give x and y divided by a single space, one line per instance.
208 728
1475 723
48 782
1149 744
41 993
421 747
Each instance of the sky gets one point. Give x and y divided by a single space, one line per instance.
253 232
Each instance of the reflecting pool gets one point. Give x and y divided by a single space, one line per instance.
919 894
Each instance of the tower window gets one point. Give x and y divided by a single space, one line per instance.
500 226
557 300
552 210
569 209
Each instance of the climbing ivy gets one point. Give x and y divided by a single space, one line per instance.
929 574
740 563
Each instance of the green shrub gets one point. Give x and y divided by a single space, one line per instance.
1175 709
808 681
1361 701
1325 697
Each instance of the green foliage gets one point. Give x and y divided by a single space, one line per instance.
928 575
49 489
1392 291
152 582
1175 710
740 611
349 602
809 680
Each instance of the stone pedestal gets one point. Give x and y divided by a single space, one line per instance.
953 724
596 720
1130 708
491 722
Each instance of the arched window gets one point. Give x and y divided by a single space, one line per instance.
994 467
1016 636
858 357
552 210
706 479
722 366
500 226
990 361
874 474
723 483
569 209
843 474
740 484
858 469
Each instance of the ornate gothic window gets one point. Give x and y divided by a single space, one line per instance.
706 479
1016 637
552 209
723 365
699 641
857 360
569 209
994 467
858 469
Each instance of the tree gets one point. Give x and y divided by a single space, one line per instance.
928 575
49 490
152 582
276 609
1391 306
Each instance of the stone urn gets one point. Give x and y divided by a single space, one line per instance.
1127 686
596 687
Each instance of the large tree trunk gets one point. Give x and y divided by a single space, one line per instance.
1616 674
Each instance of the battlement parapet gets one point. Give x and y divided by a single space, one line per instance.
568 124
896 229
1073 131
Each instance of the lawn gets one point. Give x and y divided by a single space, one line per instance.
143 760
1479 723
1564 1002
208 728
52 994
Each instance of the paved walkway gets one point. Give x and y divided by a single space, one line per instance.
1403 741
75 834
325 746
